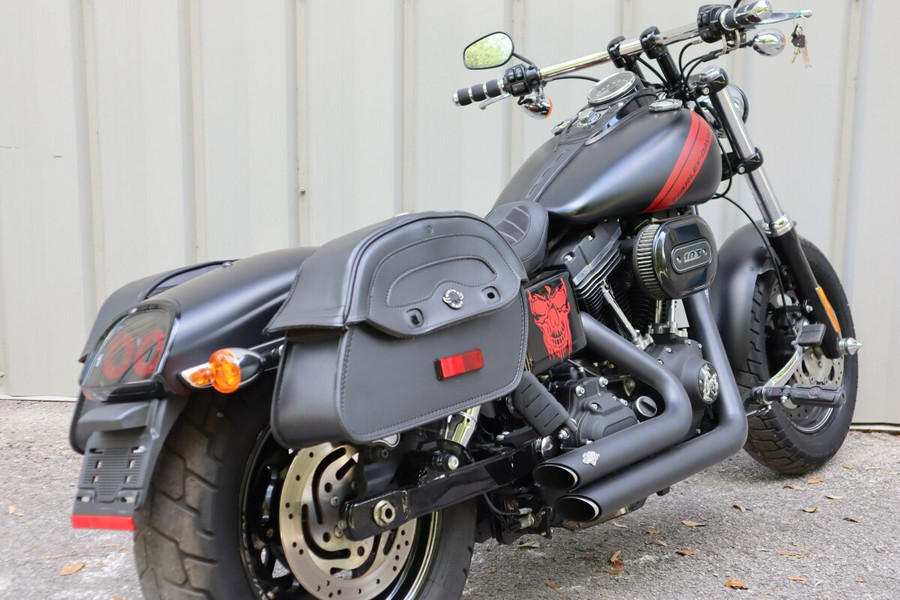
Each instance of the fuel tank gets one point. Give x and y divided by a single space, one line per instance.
621 160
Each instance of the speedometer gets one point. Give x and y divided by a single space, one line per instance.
612 88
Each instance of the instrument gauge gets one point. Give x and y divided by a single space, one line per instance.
612 88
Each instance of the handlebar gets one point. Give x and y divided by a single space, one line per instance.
713 21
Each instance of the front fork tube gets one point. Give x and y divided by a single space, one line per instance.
777 224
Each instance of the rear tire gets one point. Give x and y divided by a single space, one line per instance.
208 530
800 439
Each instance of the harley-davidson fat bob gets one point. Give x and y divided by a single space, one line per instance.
346 421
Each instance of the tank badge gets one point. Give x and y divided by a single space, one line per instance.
550 311
454 299
590 458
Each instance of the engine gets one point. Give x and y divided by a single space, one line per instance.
624 278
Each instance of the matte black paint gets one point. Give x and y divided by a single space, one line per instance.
742 259
624 447
659 472
581 180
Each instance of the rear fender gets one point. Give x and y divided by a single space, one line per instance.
121 443
742 259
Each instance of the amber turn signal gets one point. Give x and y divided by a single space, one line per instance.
225 371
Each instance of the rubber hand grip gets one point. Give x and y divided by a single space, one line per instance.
477 93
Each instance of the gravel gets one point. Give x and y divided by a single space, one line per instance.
848 546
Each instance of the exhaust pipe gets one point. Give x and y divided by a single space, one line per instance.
639 481
602 457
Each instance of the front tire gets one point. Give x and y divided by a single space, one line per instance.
791 439
211 525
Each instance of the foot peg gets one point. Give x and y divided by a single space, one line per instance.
801 395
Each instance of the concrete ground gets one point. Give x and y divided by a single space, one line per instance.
835 535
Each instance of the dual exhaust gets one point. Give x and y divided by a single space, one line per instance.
655 452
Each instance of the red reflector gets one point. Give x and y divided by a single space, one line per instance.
120 522
451 366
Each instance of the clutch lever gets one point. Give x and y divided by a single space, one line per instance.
803 13
490 101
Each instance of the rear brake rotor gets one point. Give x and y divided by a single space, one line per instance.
324 561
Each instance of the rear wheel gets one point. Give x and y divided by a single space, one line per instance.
795 439
234 515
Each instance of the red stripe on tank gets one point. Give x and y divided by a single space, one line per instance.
690 161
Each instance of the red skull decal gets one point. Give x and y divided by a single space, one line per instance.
550 311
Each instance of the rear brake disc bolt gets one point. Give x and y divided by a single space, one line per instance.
338 532
334 501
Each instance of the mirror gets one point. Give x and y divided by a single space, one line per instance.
769 42
488 52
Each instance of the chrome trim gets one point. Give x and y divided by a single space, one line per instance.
778 222
769 42
626 48
755 13
849 346
788 370
460 427
779 227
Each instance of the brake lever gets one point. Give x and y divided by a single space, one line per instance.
490 101
804 13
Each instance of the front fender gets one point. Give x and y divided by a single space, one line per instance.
742 259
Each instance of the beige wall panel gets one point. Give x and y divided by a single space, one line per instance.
140 135
353 91
873 254
140 158
41 283
552 32
453 155
245 134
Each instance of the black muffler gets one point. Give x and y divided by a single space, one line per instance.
613 452
608 495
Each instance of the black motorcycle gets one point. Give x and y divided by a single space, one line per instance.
346 421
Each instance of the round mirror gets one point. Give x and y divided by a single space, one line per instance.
488 52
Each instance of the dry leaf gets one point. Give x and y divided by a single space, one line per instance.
11 510
71 568
529 544
871 468
685 552
617 571
694 524
848 467
490 570
118 598
794 486
819 582
810 509
651 531
796 578
814 480
551 584
741 507
790 553
619 525
661 543
830 497
615 559
736 584
55 556
851 519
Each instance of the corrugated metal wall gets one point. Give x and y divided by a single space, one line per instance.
139 135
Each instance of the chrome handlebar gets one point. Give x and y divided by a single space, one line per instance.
743 17
747 16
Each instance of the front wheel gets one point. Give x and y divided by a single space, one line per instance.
232 514
795 439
